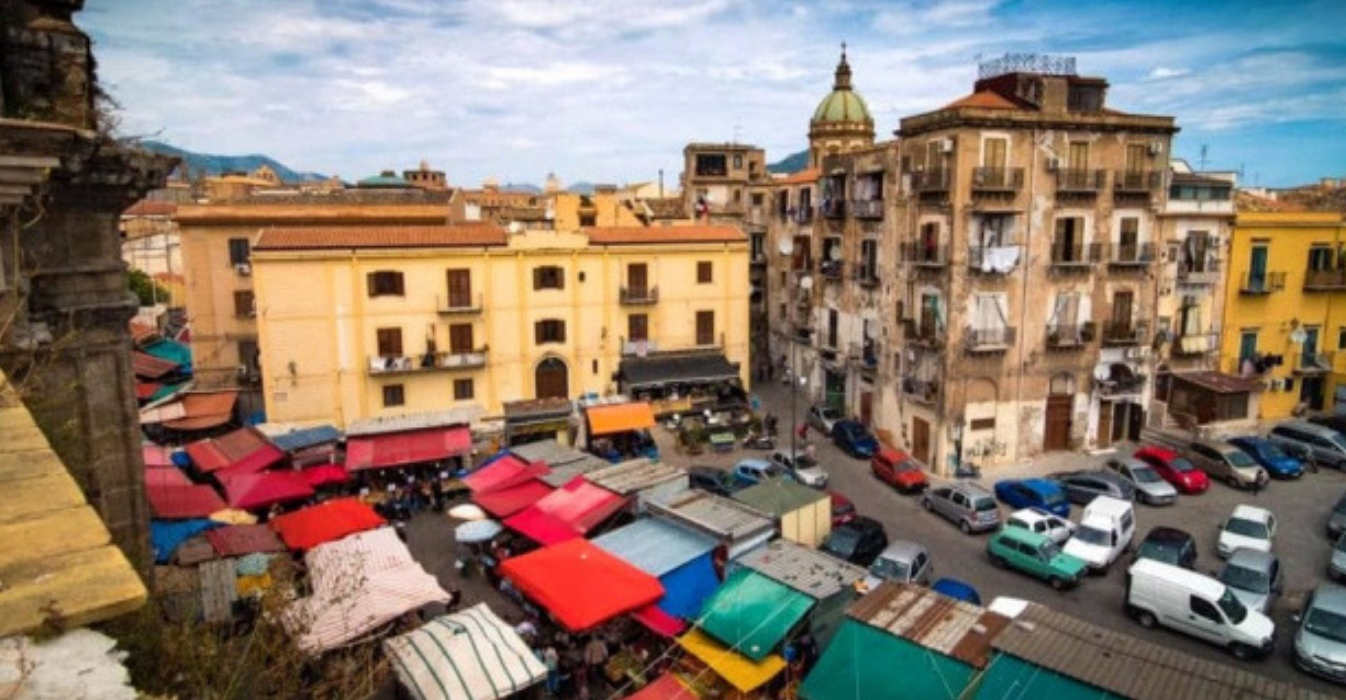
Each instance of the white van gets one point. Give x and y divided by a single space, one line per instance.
1159 593
1105 530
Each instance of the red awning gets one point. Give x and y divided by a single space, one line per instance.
580 584
410 447
566 513
248 491
157 456
181 502
148 366
147 390
166 476
506 502
243 451
206 409
503 473
326 522
667 687
324 474
659 621
237 540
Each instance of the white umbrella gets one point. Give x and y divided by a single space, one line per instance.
475 531
467 511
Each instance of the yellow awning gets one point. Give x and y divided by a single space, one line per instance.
617 418
740 671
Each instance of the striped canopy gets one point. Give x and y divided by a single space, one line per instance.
469 655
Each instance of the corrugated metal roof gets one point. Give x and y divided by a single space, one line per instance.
721 517
637 235
655 546
364 237
1127 666
634 475
951 627
808 571
566 462
413 421
778 497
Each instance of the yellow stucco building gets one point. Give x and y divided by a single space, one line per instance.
1285 308
370 322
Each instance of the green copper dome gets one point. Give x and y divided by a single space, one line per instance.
842 105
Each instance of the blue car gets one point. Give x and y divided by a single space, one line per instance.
854 439
1276 460
957 590
1033 493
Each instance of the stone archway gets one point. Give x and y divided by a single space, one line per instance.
551 379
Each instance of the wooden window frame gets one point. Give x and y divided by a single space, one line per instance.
386 283
394 395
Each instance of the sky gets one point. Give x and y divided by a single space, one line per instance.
610 91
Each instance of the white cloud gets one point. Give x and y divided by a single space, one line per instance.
1162 73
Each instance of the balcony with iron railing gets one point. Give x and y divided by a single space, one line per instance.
1126 182
987 340
428 362
866 274
1132 385
997 180
802 215
934 255
864 355
1063 336
1129 254
1195 344
831 269
458 304
1079 180
867 208
1199 271
1324 280
936 180
1076 256
994 260
925 391
639 296
1312 363
925 333
832 208
1124 332
1257 284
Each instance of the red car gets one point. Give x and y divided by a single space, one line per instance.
843 511
897 468
1176 470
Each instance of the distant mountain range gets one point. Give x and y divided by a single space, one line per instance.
212 164
790 164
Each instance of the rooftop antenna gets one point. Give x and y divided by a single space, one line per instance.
1203 157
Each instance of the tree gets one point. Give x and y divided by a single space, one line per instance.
147 290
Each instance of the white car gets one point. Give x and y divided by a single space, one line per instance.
801 467
1043 523
822 418
1248 526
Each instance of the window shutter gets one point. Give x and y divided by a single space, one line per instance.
370 284
398 282
537 278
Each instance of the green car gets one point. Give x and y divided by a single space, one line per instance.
1035 554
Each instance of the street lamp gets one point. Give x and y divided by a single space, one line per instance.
787 249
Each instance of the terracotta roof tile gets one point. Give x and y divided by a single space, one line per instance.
147 207
802 177
329 237
636 235
984 99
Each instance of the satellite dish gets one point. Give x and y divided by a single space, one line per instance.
1101 373
806 283
1298 336
872 331
834 253
786 247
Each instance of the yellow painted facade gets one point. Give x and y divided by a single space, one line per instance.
319 327
1285 297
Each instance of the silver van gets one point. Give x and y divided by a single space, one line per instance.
1224 462
1305 440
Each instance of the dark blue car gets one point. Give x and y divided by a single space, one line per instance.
854 439
1276 460
957 590
1033 493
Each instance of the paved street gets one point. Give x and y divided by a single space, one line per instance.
1300 506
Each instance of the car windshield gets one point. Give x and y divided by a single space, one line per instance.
1326 623
1054 498
905 466
890 568
803 461
1245 579
1182 465
842 541
984 503
1167 552
843 508
1234 611
1271 450
1049 550
1145 475
1340 546
1093 535
1239 458
1246 528
830 414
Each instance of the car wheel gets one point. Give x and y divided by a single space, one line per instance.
1233 481
1242 652
999 561
927 504
1057 583
965 527
1146 619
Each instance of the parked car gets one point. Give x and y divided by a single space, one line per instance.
902 561
754 471
1311 441
1106 528
897 468
713 479
1033 493
1221 460
957 590
1271 456
1248 526
798 464
964 503
859 542
1253 576
843 511
1150 488
822 418
1336 564
1332 422
1043 523
1036 555
1174 469
1196 604
1169 545
1320 641
1083 486
1336 520
854 439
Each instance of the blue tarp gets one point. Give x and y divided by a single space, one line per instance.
679 557
308 437
687 587
166 536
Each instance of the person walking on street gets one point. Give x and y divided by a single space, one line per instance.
595 655
552 662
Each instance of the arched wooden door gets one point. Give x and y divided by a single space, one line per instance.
552 379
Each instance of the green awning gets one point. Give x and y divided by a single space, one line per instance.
1011 678
752 614
860 662
172 351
